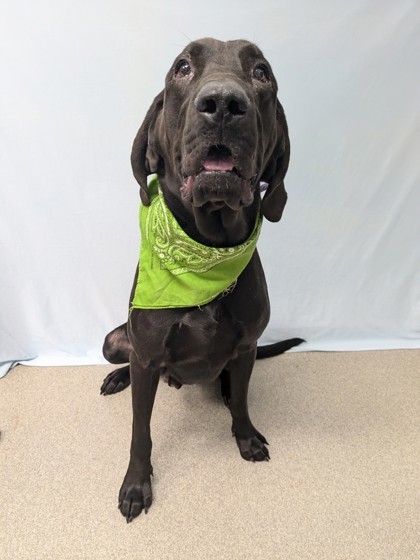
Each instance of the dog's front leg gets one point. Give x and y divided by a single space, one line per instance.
249 440
136 490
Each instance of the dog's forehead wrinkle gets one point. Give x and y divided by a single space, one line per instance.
221 52
251 50
212 43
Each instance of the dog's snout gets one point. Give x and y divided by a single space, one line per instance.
220 100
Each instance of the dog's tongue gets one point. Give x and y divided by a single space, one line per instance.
218 164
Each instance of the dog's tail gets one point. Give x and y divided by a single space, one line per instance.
277 348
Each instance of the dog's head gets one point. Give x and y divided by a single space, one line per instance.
213 135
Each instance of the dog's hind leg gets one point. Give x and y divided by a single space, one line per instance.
117 350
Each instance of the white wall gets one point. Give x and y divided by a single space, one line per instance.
77 77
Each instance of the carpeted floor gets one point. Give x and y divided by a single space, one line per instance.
341 483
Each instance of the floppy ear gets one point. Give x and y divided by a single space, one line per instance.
275 198
144 156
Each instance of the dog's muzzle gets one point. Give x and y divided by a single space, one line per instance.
218 182
220 188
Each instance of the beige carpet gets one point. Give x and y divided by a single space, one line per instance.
341 482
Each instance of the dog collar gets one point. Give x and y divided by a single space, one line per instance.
176 271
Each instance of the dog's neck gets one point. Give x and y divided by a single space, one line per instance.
216 228
176 270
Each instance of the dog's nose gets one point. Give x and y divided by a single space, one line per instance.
218 101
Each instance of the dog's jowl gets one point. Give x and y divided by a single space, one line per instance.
199 303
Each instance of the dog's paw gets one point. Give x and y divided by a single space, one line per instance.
135 496
116 381
253 448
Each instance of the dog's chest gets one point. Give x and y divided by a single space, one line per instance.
199 346
194 345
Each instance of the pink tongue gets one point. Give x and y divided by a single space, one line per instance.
218 164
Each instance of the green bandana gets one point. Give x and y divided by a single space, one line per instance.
175 270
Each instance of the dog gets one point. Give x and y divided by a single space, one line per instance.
214 138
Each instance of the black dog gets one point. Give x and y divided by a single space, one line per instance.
212 136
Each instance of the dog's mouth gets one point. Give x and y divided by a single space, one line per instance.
219 158
217 182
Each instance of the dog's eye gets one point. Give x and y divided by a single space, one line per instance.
261 73
182 69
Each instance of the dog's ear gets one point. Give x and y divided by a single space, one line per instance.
144 155
275 198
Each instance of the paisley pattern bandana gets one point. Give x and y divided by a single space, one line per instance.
176 271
